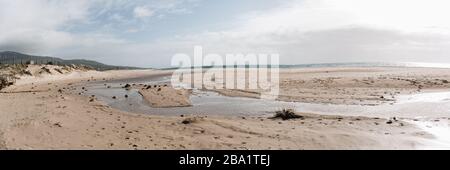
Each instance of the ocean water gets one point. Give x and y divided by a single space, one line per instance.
371 64
350 64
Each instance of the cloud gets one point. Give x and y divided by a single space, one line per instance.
308 31
321 31
37 29
49 27
142 12
346 44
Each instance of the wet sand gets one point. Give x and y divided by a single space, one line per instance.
163 96
58 116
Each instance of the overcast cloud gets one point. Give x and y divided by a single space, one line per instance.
149 33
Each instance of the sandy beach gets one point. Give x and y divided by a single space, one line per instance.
50 111
352 85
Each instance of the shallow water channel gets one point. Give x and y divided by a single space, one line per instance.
422 105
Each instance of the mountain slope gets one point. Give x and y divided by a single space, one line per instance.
10 57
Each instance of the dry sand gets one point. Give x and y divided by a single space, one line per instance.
47 113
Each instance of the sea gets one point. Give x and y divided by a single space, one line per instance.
345 64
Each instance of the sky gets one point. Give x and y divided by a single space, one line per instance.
147 33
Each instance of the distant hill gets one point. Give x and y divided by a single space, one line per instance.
10 57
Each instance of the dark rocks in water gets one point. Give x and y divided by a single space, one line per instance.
114 97
92 100
286 114
148 87
159 89
127 86
126 96
389 122
445 81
